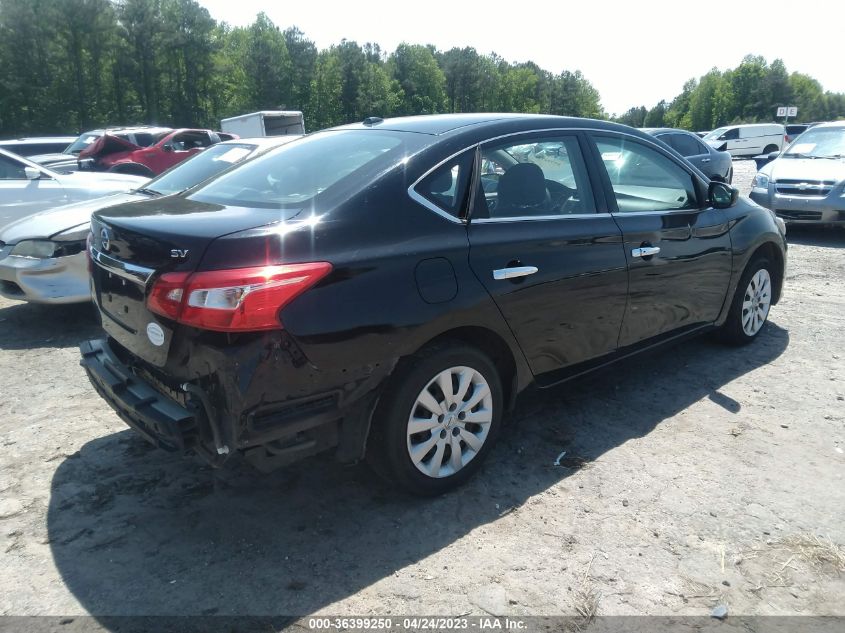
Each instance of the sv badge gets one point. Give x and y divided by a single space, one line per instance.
178 253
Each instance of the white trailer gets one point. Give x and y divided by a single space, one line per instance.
265 123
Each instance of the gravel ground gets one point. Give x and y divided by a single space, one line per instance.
698 476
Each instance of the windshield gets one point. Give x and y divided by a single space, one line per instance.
820 142
340 161
201 167
84 140
715 134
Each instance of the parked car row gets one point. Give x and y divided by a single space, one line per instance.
42 256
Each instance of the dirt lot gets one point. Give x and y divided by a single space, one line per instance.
699 476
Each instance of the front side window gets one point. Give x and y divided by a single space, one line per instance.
531 178
11 169
643 179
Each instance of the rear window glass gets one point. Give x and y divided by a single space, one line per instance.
200 167
334 162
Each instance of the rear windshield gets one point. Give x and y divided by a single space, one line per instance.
337 163
201 167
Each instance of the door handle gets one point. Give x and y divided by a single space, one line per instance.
645 251
705 160
513 273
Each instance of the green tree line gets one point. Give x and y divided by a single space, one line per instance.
749 93
71 65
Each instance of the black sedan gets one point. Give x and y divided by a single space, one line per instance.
714 163
386 289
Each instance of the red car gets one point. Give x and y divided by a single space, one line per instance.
117 154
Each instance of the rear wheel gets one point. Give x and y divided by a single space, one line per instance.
751 303
438 420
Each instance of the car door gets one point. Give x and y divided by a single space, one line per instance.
547 250
21 196
737 145
678 248
692 149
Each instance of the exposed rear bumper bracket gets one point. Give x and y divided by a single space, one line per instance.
158 419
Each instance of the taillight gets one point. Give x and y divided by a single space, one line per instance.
238 300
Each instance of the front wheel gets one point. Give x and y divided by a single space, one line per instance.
751 303
771 148
438 419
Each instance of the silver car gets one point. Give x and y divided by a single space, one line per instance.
806 183
27 188
42 257
712 162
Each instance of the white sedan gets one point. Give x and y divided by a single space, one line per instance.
27 188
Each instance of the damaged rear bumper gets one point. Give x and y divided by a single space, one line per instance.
192 416
158 419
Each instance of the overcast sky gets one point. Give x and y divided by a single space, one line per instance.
635 53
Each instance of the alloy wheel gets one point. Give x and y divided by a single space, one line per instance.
449 421
756 302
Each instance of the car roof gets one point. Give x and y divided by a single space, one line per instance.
443 124
665 130
36 140
830 124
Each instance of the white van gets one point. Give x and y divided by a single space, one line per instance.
748 140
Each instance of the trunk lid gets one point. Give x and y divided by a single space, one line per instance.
133 244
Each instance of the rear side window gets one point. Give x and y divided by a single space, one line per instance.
643 179
446 187
532 177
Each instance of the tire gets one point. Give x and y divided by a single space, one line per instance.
422 462
751 303
132 169
771 148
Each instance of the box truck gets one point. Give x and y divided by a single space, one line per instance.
265 123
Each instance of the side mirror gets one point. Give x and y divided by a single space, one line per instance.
723 147
721 195
32 173
167 147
